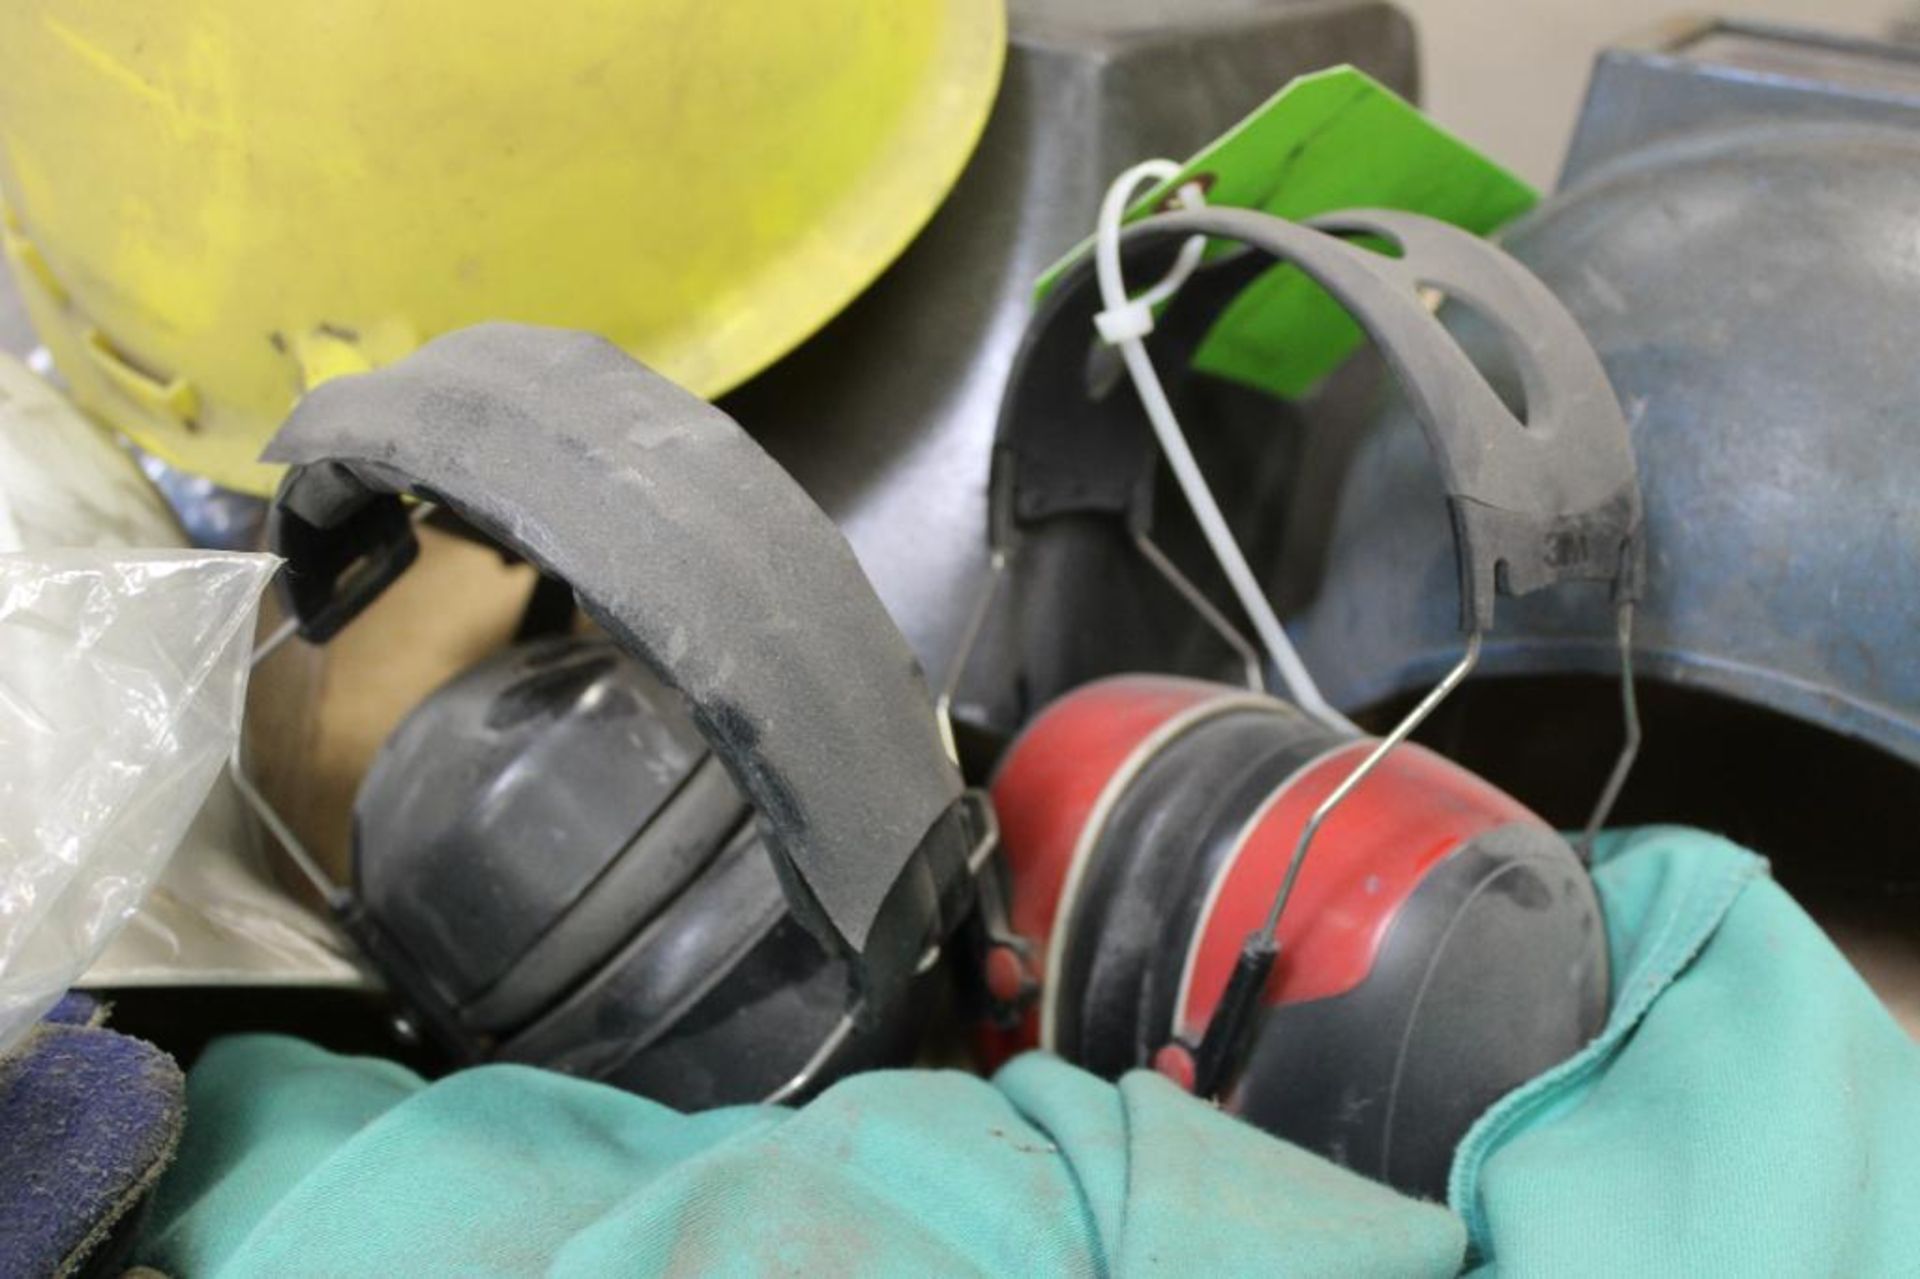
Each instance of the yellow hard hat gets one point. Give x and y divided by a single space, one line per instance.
211 204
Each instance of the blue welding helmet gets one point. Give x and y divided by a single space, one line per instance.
1754 298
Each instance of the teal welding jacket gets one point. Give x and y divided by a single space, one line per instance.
1750 1109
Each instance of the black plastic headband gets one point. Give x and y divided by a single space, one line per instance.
1555 498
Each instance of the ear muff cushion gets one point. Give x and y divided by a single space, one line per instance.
1142 895
663 969
721 998
681 842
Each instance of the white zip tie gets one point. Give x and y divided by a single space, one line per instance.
1125 323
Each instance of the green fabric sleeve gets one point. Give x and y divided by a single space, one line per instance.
1750 1109
297 1162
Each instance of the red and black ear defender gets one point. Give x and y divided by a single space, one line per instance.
706 858
1208 879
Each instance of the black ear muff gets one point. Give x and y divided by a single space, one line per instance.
705 860
548 848
1440 944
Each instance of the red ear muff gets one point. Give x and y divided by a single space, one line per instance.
1441 944
1146 822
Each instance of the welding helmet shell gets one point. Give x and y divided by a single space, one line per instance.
1752 296
210 205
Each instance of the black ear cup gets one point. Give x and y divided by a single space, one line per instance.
547 852
722 998
1493 971
493 816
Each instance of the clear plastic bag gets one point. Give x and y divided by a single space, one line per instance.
217 915
122 679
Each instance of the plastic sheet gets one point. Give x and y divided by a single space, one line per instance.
217 915
122 679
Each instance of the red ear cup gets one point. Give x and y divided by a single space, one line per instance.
1442 944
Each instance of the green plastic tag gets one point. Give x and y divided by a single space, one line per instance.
1336 139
